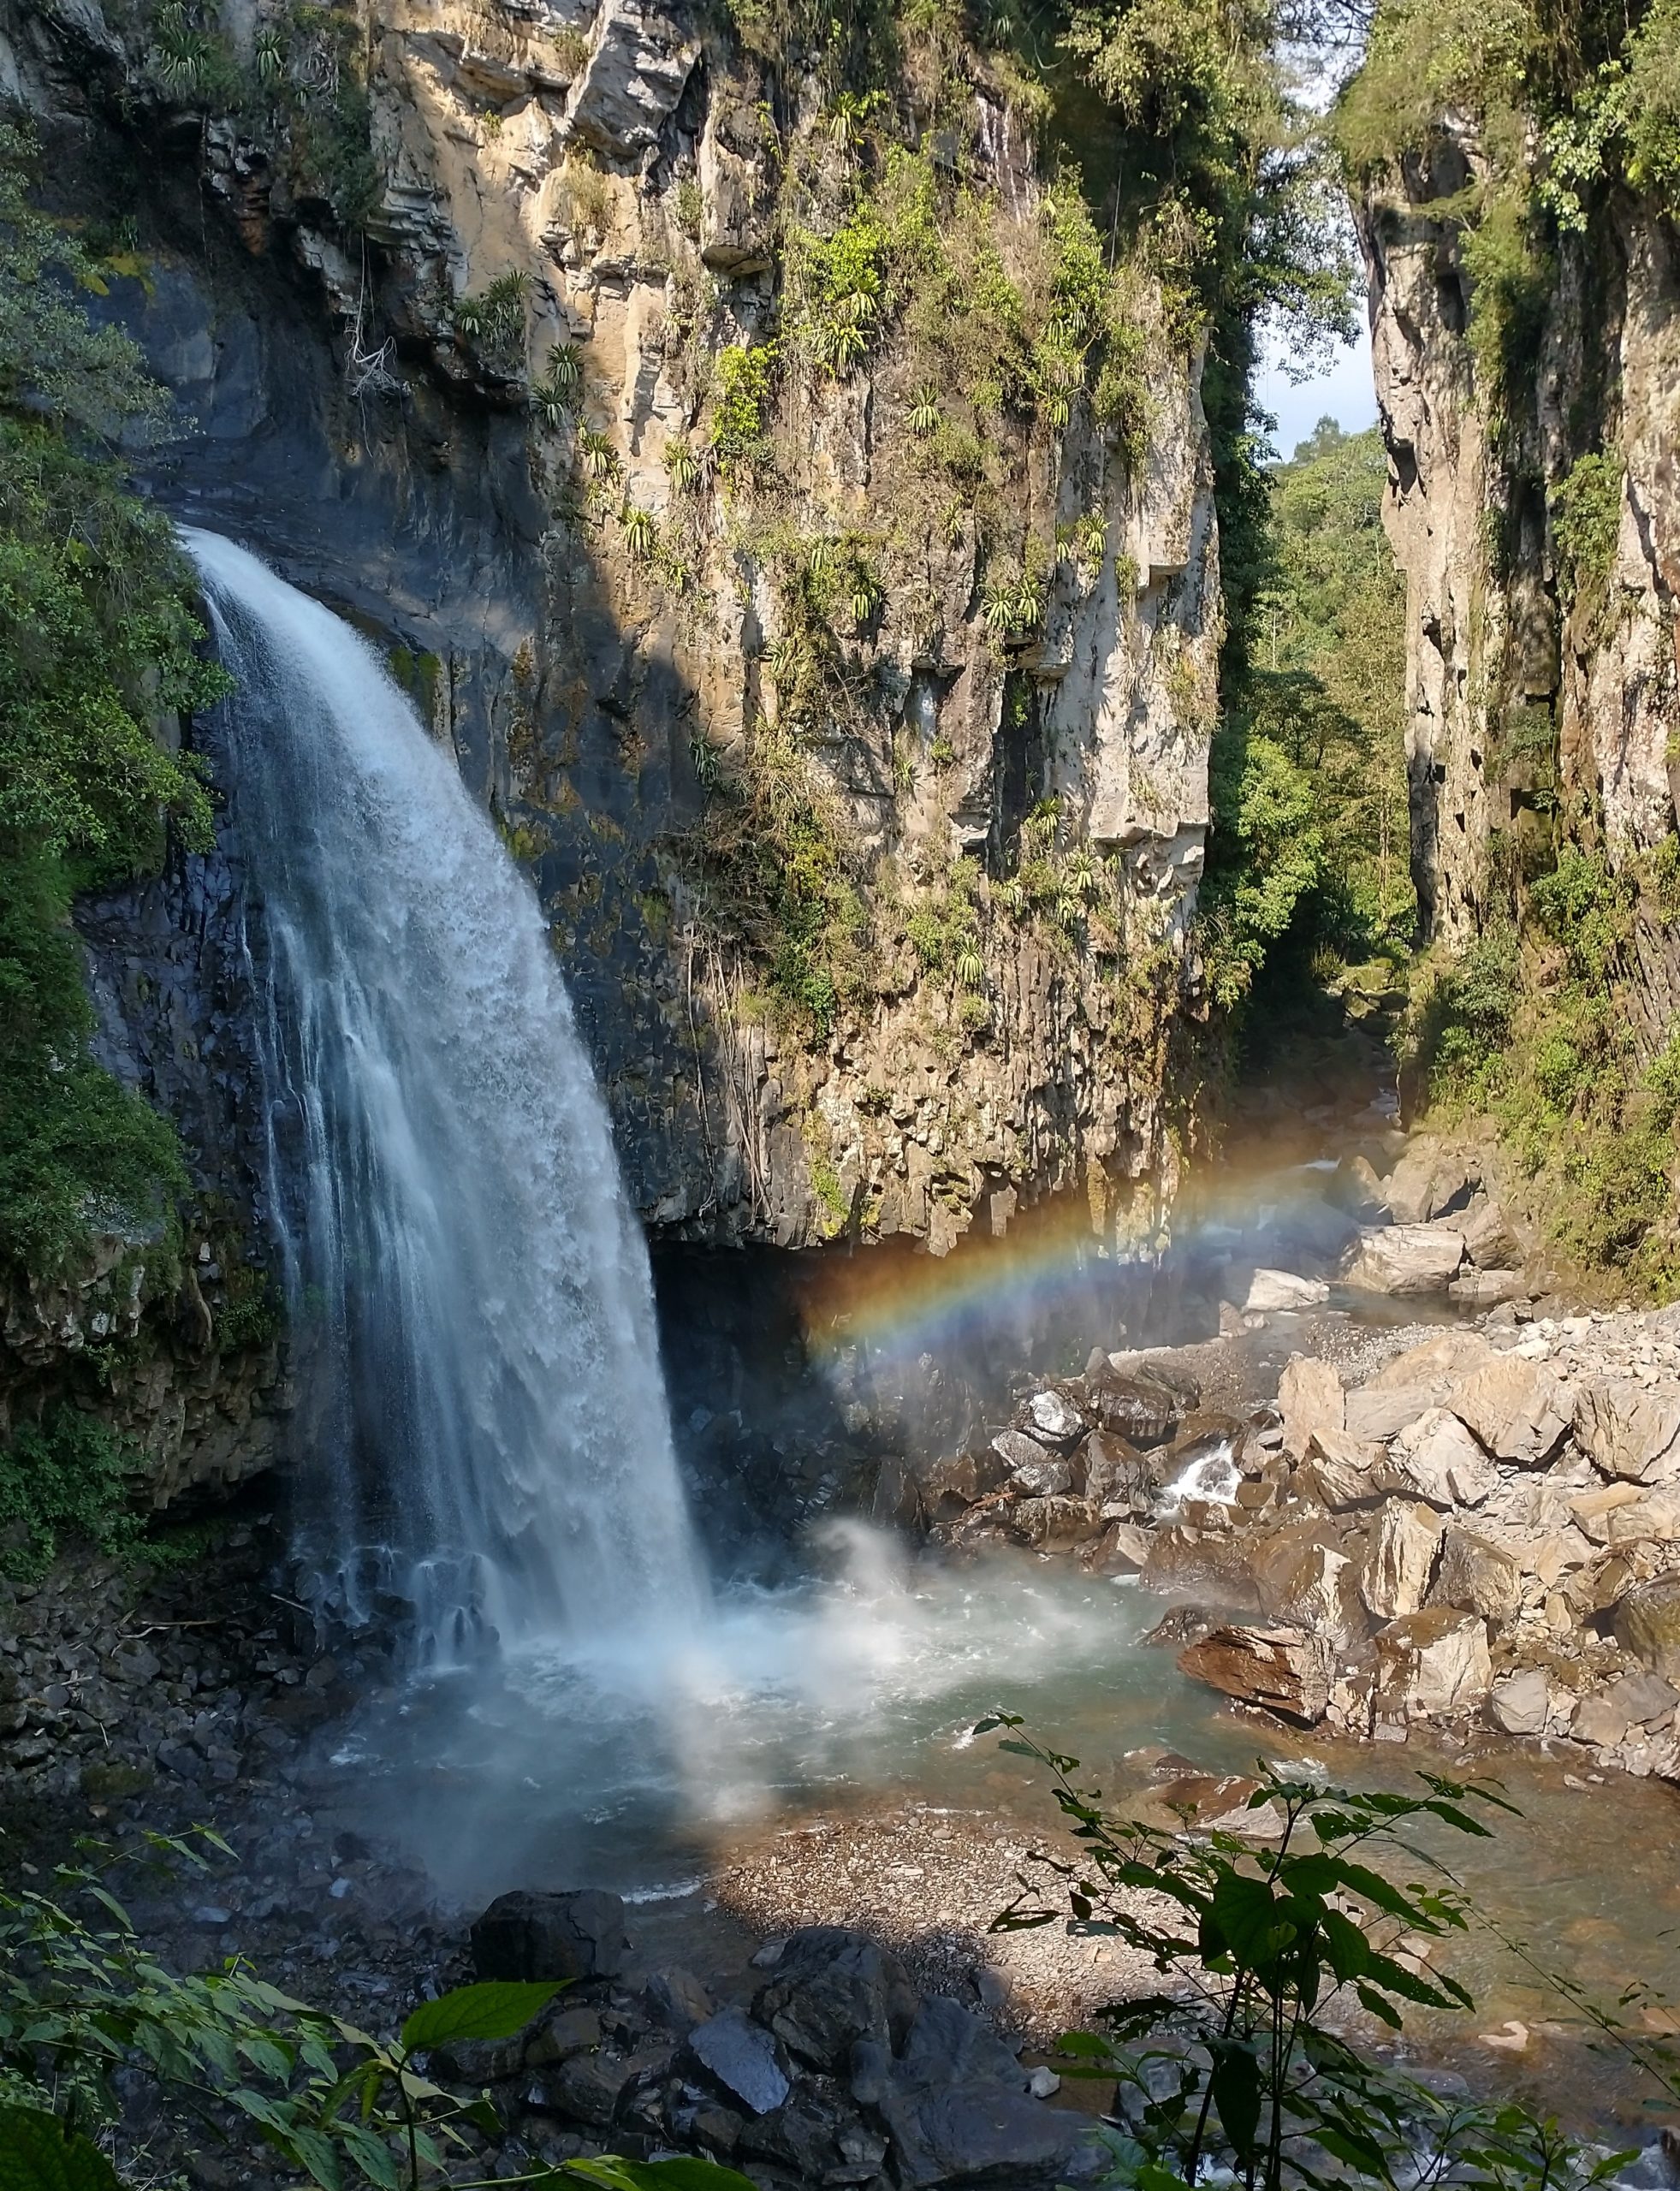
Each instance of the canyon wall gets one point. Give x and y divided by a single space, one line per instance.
1538 523
912 641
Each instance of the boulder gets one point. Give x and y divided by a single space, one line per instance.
1521 1705
1434 1365
1430 1178
1647 1699
1052 1416
964 2135
1399 1558
1042 1479
1310 1400
1119 1480
532 1936
1286 1670
1477 1577
1490 1241
1015 1450
1355 1188
831 1987
1055 1525
1646 1623
1599 1720
1338 1470
1627 1431
1303 1578
676 1998
1518 1408
1122 1549
1655 1516
1593 1509
1270 1291
742 2059
1487 1289
1405 1259
1143 1410
956 1480
1436 1458
1374 1413
1432 1664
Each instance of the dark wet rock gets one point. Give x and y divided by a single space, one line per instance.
573 2027
817 2137
532 1936
831 1987
587 2089
986 2134
1139 1410
677 1999
742 2058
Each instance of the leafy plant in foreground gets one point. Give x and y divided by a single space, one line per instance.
84 2002
1238 2063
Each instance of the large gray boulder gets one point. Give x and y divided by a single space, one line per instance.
1627 1431
1430 1178
831 1987
1406 1260
1436 1458
1400 1559
1518 1409
742 2059
1432 1664
1490 1239
1646 1623
530 1936
1303 1578
1310 1400
1338 1470
956 2107
1273 1290
1477 1576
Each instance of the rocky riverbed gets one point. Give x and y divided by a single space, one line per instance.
1460 1540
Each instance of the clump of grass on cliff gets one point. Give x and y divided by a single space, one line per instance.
97 646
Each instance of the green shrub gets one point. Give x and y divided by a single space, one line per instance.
97 644
67 1476
1586 521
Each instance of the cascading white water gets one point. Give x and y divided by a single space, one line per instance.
484 1409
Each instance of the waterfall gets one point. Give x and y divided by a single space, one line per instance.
485 1444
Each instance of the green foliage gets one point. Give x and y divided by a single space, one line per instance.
740 396
85 2007
67 1477
38 2153
1583 906
1270 855
1308 771
1239 2062
97 646
1586 519
776 862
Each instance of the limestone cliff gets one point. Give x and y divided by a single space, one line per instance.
680 568
1539 527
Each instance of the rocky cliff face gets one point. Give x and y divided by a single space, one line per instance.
1542 687
663 588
